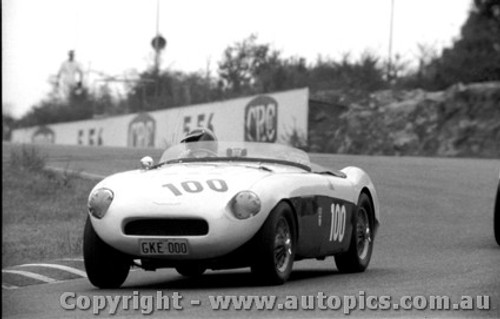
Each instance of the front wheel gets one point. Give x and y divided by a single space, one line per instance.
357 258
276 241
106 267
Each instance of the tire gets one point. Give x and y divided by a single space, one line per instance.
276 246
106 267
190 270
357 258
496 216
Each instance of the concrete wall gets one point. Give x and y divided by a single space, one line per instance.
270 117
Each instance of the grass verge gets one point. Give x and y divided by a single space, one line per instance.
43 212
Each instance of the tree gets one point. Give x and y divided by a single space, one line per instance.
475 57
364 75
80 105
170 89
8 122
243 62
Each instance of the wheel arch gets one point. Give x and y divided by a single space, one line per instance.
362 183
294 215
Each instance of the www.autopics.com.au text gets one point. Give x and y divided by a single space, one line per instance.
147 304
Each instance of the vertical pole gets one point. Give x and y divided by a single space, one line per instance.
157 50
389 64
157 53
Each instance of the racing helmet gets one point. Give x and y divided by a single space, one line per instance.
201 135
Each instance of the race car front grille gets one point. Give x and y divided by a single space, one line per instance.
166 227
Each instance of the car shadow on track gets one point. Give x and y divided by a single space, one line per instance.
240 279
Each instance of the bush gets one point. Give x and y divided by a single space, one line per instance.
28 158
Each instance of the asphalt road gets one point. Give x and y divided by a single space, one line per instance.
436 239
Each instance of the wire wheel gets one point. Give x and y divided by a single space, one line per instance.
275 243
359 253
363 234
282 245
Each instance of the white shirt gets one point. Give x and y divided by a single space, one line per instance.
70 73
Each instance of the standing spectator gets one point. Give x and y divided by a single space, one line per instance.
70 76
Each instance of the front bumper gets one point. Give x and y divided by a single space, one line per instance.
225 232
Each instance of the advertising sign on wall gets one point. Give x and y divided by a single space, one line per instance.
271 118
261 120
43 135
141 131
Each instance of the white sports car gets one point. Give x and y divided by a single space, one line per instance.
222 205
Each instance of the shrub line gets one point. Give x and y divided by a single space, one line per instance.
85 175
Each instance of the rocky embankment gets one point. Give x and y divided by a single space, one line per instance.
462 121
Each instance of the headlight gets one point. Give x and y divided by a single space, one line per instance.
99 201
244 205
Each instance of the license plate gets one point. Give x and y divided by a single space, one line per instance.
169 247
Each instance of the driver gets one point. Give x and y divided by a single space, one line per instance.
207 146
